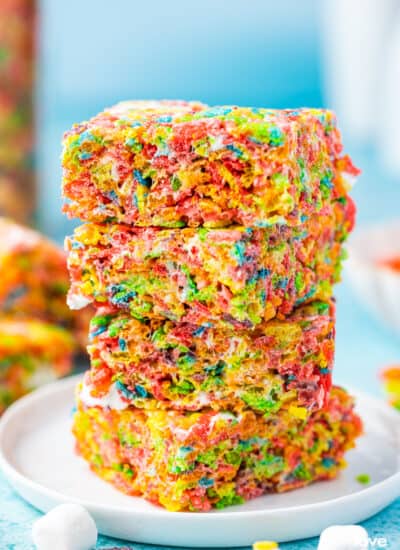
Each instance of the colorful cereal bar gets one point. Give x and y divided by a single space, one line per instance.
160 364
196 461
391 382
174 165
237 275
31 354
34 279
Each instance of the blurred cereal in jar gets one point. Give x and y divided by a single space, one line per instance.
17 64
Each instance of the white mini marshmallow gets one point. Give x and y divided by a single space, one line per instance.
77 301
344 537
65 527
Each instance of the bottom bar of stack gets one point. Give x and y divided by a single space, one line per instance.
199 460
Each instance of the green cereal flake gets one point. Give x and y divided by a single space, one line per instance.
299 281
262 403
97 460
101 320
233 457
179 465
175 183
364 479
128 439
183 388
209 458
202 233
301 472
268 466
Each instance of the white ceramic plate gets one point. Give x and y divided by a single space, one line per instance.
36 454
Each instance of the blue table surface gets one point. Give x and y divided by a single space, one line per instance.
363 347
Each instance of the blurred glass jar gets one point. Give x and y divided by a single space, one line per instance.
17 68
355 45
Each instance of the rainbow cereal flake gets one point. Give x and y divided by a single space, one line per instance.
197 461
177 164
161 364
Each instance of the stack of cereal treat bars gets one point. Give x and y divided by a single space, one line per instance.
212 240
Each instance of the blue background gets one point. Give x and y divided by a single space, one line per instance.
94 53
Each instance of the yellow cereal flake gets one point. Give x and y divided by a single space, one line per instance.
298 412
265 545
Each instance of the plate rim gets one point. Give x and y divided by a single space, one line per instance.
12 474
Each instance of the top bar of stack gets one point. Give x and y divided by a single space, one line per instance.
176 164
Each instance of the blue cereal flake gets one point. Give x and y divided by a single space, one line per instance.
206 482
263 273
99 330
238 152
307 296
122 344
216 111
130 142
246 444
140 391
184 451
166 118
276 137
86 136
200 330
85 155
146 182
326 181
133 144
283 283
124 390
16 293
112 195
120 295
325 371
272 222
301 236
321 116
328 462
239 252
163 150
76 245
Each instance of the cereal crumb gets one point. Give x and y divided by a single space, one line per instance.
265 545
364 479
